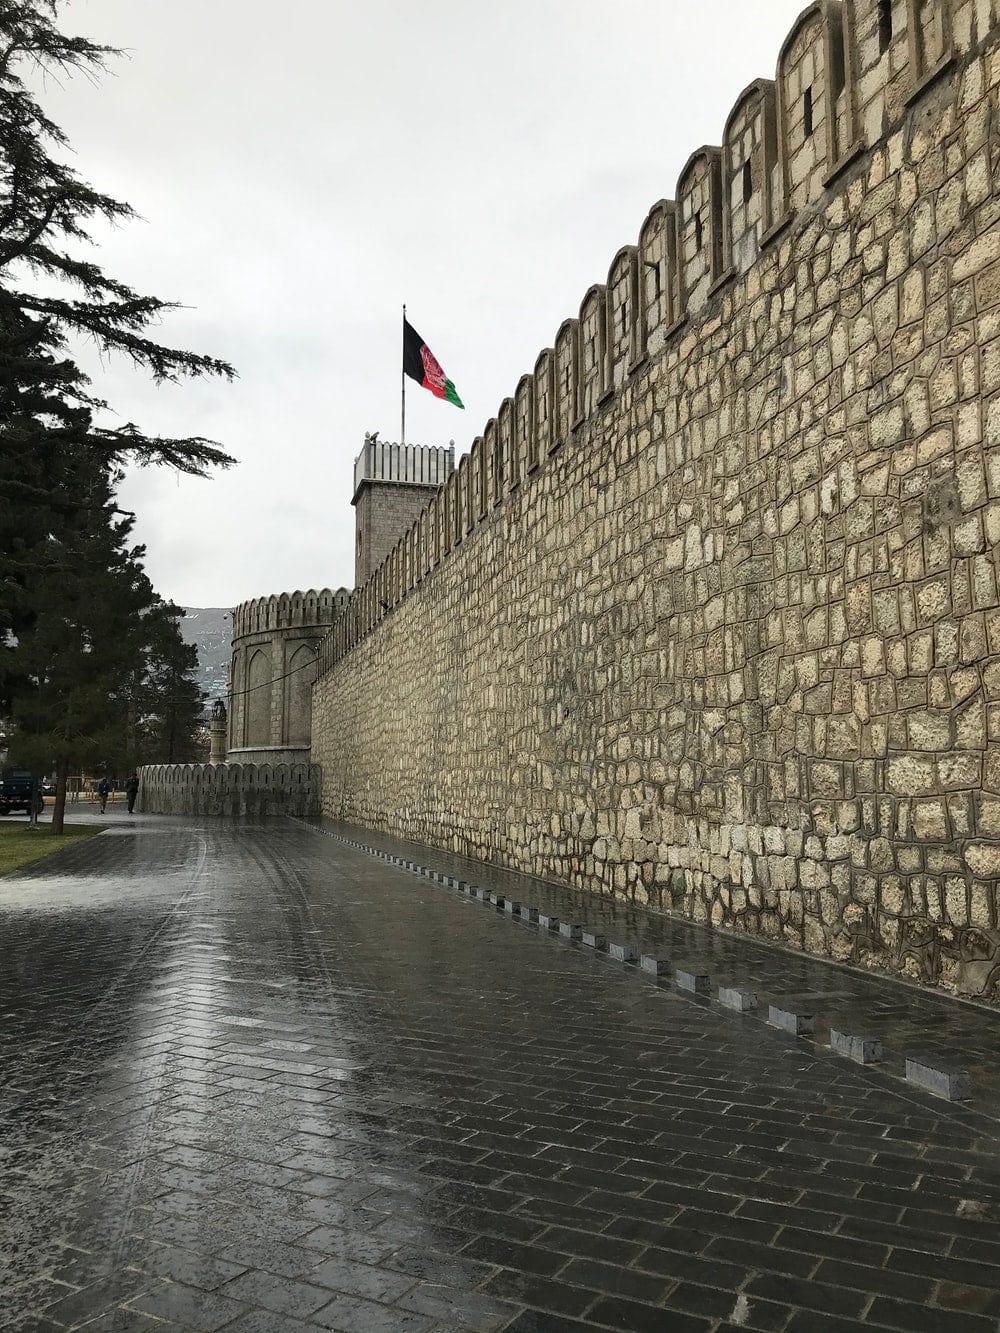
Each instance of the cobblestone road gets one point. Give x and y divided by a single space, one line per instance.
257 1081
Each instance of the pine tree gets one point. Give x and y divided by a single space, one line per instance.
73 658
71 593
171 703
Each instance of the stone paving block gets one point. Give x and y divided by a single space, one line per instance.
593 940
799 1022
624 953
569 930
697 982
736 997
656 967
940 1076
548 922
862 1050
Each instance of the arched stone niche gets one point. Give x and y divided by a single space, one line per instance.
298 696
258 707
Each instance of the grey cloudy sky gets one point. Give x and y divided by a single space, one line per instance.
303 168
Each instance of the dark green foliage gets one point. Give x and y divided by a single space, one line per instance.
93 671
99 678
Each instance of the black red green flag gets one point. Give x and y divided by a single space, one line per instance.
420 363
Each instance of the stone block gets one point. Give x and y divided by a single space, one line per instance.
696 982
593 940
497 900
527 913
624 953
511 907
799 1022
939 1076
656 967
548 922
735 997
862 1050
569 931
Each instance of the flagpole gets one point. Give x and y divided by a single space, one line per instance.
402 386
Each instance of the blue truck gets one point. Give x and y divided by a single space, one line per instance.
18 789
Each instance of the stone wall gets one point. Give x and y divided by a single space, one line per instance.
709 616
255 790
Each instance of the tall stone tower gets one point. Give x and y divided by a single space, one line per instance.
392 484
275 646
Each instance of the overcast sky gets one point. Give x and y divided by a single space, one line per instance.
304 168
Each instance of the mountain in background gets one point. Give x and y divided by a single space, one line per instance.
210 629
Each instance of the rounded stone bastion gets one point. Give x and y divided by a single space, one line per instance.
274 656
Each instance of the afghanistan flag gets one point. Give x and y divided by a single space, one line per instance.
420 363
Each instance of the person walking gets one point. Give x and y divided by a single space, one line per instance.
104 791
132 791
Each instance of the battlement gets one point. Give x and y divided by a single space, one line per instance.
288 610
404 464
847 75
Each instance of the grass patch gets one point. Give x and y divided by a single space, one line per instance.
20 845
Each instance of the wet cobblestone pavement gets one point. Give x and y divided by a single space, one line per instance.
255 1080
907 1019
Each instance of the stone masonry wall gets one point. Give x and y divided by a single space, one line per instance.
710 615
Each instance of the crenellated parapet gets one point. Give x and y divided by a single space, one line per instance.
289 610
846 76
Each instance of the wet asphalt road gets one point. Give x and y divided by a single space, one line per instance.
254 1080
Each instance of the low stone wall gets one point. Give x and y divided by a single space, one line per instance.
229 789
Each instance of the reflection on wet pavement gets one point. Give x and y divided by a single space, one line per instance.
254 1080
904 1018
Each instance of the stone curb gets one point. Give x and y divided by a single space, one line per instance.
931 1074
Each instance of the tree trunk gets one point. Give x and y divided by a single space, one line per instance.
59 809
